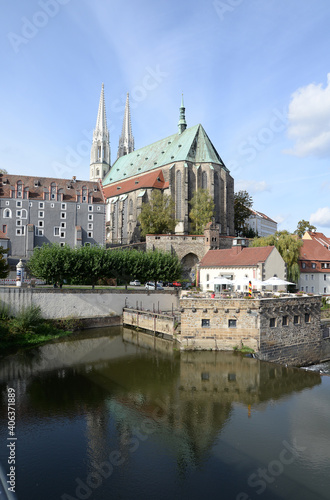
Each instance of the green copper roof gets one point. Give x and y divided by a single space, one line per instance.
192 145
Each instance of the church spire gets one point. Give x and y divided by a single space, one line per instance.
126 140
182 120
100 152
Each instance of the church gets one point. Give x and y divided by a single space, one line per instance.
177 165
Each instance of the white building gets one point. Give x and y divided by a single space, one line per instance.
241 264
261 224
314 264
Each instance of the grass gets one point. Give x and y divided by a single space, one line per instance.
28 328
244 349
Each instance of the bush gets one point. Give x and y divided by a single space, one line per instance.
4 311
27 321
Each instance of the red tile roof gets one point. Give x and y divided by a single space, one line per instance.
154 179
235 257
38 185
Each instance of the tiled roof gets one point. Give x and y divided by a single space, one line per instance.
38 185
235 257
313 250
192 145
263 216
318 237
154 179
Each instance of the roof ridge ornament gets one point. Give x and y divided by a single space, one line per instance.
182 120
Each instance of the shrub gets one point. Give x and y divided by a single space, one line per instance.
26 321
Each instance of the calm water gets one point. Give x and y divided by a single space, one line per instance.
120 416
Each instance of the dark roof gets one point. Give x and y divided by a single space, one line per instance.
38 185
236 256
154 179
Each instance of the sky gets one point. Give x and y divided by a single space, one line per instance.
254 73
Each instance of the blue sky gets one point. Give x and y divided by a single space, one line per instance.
253 72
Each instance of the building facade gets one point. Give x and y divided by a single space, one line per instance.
37 210
314 264
177 165
261 224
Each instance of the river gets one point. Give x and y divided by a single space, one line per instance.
113 414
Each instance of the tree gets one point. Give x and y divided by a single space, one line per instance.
302 227
90 263
288 246
52 263
4 266
157 216
242 204
202 210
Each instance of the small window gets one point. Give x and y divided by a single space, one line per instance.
63 225
312 289
41 214
40 223
306 289
90 216
7 213
4 228
98 209
53 196
41 204
205 323
205 376
90 208
56 231
18 222
307 318
313 265
62 244
39 232
63 215
296 320
285 320
306 277
18 203
324 277
78 207
303 265
63 206
62 234
84 198
232 323
18 213
272 322
52 205
90 234
7 203
90 225
325 289
30 204
19 194
312 277
20 231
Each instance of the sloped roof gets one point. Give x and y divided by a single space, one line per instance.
263 216
318 237
249 256
192 145
154 179
313 250
38 185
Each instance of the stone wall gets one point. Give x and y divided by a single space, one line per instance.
147 320
257 323
87 303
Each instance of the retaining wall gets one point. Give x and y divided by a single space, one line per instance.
88 303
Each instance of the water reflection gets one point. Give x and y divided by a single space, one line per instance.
133 395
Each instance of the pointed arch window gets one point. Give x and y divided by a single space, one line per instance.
204 180
130 209
7 213
178 192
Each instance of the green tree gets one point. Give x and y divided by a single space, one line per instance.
52 263
242 204
4 267
302 227
158 215
201 211
288 246
90 263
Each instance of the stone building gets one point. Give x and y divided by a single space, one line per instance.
177 165
37 210
286 329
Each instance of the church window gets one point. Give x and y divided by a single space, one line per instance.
178 195
97 171
130 207
204 180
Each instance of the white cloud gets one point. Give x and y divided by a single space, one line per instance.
252 187
321 217
309 120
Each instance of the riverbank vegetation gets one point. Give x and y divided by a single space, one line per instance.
89 265
29 328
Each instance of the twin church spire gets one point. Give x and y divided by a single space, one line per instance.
100 152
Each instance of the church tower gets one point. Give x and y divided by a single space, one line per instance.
182 120
100 153
126 140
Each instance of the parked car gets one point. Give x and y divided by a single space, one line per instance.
135 283
176 283
151 286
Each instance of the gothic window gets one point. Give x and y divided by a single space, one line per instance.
204 180
178 194
97 172
7 213
191 184
130 211
216 197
